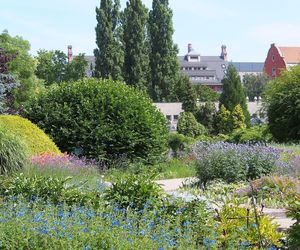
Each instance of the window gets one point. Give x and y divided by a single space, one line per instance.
223 66
194 57
169 117
273 58
273 71
175 117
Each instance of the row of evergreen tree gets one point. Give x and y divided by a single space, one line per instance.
136 46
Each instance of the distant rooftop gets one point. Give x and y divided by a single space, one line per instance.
248 66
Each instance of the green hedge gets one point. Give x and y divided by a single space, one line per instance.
100 119
35 138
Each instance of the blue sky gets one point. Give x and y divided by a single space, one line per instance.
246 27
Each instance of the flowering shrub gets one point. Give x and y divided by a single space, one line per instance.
231 162
37 225
64 161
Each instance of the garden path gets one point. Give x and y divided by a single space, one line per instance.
278 214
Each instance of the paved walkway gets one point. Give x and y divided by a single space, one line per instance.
279 215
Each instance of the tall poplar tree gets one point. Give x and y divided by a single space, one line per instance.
233 93
164 65
136 60
109 54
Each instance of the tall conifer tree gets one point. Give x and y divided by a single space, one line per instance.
136 60
164 64
233 93
109 54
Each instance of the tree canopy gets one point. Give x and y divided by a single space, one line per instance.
282 98
53 66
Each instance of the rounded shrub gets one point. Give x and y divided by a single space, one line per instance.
100 119
36 140
188 125
13 153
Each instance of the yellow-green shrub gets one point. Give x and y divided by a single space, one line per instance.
35 138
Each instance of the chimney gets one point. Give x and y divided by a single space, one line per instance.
224 53
190 47
70 54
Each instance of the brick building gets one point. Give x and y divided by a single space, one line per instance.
281 58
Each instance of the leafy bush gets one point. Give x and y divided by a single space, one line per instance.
134 191
178 143
253 134
53 189
294 231
282 99
240 232
100 119
13 153
231 162
35 139
188 125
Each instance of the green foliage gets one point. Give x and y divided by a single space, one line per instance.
206 94
164 65
101 118
35 139
188 125
13 155
47 188
136 60
52 66
254 85
178 143
283 108
237 118
134 192
206 115
238 224
253 134
21 68
227 121
109 55
233 93
186 94
294 231
223 121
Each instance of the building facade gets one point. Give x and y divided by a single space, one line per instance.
280 58
204 70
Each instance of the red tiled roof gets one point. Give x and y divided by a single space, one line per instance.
290 54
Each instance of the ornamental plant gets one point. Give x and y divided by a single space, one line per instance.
231 162
100 119
35 139
188 125
13 153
